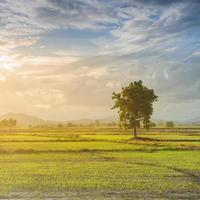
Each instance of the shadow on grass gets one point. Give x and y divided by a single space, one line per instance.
163 140
145 150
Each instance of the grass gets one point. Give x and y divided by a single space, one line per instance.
95 164
76 146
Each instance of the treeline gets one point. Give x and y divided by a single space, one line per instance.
96 123
168 124
8 123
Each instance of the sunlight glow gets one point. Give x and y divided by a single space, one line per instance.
8 62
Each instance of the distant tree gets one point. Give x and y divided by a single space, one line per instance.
170 124
4 123
151 125
69 124
60 125
109 124
8 123
12 123
91 124
113 124
135 105
97 123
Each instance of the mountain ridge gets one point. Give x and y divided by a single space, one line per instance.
25 120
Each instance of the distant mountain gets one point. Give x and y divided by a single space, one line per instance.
186 122
159 121
24 120
192 121
81 121
89 121
110 119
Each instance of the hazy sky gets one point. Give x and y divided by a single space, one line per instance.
62 59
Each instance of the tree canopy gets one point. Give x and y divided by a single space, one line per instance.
8 123
135 105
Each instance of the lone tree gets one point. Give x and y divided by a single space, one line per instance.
135 105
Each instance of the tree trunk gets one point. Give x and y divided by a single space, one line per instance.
135 132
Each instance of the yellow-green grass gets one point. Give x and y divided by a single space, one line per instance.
153 141
10 138
77 165
37 137
159 136
160 173
107 137
170 136
66 146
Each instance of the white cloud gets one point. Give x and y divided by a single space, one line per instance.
46 60
2 77
196 54
8 62
135 40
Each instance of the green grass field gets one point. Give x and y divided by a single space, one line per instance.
99 163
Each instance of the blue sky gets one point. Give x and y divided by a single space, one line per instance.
62 59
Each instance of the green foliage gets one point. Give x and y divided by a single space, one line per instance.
60 125
152 124
69 124
8 123
134 104
170 124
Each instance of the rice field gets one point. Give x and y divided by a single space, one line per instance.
99 163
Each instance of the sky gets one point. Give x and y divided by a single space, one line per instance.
62 59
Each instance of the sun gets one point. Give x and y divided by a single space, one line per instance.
8 62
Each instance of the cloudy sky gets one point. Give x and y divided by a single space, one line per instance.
62 59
